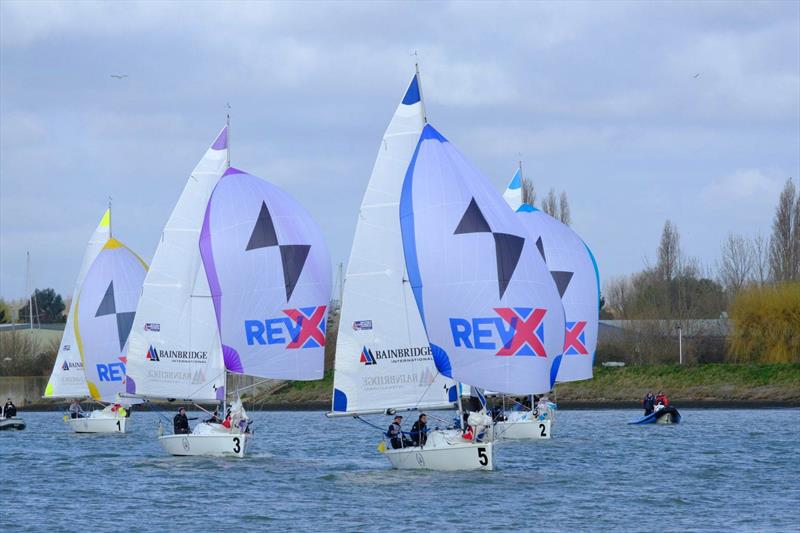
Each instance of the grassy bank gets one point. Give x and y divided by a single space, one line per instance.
712 382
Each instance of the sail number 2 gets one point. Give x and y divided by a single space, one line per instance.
483 459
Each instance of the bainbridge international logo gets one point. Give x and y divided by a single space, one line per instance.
152 354
152 327
367 358
65 366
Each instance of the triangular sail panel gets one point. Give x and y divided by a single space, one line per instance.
67 379
175 350
383 358
487 299
270 299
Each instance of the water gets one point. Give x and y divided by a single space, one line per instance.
718 470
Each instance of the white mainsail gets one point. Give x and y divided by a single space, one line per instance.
383 358
67 379
175 350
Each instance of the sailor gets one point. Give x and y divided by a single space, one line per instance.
419 431
662 399
181 422
10 410
75 409
648 403
395 434
215 419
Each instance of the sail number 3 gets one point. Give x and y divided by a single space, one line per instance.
237 445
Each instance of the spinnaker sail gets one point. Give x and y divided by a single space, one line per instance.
67 379
383 358
490 307
269 272
175 350
104 313
574 271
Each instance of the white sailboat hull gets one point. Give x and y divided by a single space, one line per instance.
208 441
522 429
445 451
100 424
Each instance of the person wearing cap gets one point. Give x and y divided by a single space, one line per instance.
395 434
180 423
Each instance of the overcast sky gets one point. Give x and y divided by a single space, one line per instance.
600 99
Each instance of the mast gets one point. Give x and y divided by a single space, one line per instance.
110 233
228 144
227 165
28 289
419 86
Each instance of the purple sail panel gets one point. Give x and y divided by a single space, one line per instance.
270 278
485 296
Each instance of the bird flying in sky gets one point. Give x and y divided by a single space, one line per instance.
119 76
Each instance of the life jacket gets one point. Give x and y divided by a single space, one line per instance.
468 433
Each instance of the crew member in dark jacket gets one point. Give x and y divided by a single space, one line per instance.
181 422
649 403
10 410
419 431
395 433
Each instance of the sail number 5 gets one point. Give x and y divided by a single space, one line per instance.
483 459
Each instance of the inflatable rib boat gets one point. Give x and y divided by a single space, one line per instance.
665 415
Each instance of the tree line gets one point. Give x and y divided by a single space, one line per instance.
754 283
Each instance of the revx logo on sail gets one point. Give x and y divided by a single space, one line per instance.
515 331
300 328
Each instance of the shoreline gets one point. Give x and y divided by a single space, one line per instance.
324 407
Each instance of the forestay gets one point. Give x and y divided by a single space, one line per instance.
67 379
575 274
175 350
486 298
270 277
104 313
383 358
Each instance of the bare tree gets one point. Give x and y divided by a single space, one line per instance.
669 252
760 248
784 249
563 214
737 263
528 192
618 291
550 204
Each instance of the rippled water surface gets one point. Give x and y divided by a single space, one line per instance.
718 470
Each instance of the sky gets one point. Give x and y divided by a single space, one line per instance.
641 112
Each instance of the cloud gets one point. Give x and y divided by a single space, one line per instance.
743 189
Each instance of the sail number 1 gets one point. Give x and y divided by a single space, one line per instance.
483 459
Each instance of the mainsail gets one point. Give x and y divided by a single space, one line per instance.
486 298
383 358
67 379
104 312
575 274
175 350
270 277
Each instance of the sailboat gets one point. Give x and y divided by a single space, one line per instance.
198 284
175 350
436 279
574 271
104 310
383 357
67 379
